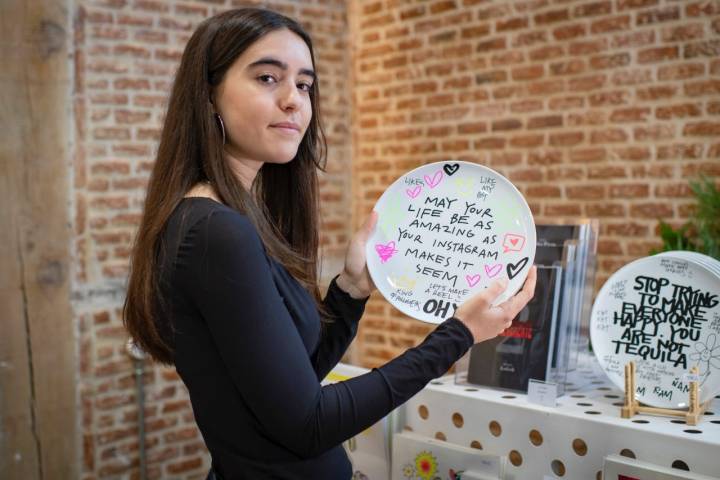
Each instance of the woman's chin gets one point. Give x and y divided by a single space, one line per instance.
282 158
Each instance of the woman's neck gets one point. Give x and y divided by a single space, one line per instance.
244 169
203 189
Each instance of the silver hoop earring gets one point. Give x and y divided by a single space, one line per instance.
222 126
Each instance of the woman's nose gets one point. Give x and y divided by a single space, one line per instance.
289 97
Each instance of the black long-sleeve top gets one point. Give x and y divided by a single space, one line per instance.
248 345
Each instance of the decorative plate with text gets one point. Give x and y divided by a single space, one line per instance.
663 313
445 231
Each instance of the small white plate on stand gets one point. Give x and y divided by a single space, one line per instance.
663 313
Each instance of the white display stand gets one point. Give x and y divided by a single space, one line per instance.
568 441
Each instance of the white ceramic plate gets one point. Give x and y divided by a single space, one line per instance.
445 231
705 260
663 312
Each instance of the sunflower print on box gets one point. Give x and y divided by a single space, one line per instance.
425 467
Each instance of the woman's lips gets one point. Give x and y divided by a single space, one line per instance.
285 130
287 125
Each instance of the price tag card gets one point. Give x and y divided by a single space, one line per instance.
542 393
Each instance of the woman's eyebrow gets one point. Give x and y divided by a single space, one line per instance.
281 65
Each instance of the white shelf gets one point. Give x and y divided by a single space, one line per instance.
584 415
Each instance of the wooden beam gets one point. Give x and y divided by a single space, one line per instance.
38 408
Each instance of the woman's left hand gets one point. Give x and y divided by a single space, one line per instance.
355 278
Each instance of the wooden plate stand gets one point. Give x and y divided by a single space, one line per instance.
632 407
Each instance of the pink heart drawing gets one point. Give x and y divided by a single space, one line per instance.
491 271
435 180
414 192
385 251
472 279
514 241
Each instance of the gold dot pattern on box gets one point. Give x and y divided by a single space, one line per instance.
536 438
495 428
423 411
579 446
558 468
515 458
626 452
458 420
476 444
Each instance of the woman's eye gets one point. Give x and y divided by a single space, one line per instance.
266 78
305 87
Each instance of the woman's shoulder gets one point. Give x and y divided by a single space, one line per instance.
209 221
201 207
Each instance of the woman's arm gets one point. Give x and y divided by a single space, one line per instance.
337 336
231 285
345 300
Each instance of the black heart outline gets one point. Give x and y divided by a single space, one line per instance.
517 267
450 169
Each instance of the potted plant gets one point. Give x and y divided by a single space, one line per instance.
701 233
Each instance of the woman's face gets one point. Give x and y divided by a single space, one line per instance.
264 99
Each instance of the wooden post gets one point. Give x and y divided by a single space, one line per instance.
39 435
627 410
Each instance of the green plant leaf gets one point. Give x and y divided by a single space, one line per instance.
702 232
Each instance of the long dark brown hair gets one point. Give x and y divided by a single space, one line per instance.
191 151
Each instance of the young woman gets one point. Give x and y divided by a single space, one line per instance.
224 280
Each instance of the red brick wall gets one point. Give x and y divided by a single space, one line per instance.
126 53
592 108
599 109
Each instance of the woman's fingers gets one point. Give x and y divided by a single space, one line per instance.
355 256
368 227
528 289
485 321
514 305
495 289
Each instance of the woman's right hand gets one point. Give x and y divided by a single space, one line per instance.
486 321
